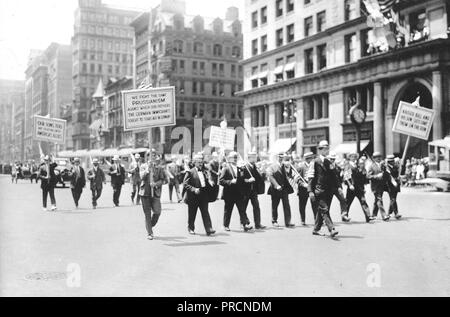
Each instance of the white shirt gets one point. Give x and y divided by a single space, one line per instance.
234 170
202 178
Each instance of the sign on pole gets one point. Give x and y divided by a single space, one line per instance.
149 108
222 138
49 130
414 121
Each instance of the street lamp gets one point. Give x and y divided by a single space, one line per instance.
290 113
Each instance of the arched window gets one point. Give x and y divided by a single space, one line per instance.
217 51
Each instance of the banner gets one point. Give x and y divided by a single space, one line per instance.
414 121
49 130
150 108
222 138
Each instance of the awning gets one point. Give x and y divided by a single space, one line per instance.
95 153
290 67
110 152
81 153
347 148
278 70
441 143
263 74
283 145
66 154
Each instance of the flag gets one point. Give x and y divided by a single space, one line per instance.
41 153
145 84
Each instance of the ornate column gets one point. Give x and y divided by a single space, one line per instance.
378 120
437 105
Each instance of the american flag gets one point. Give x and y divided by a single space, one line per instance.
384 5
146 84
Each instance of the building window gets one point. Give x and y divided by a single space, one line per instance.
221 111
221 89
350 10
236 52
182 69
290 33
365 44
221 70
174 65
309 61
194 67
308 26
263 43
316 107
255 19
263 15
418 26
255 47
321 21
178 46
233 70
214 69
194 110
194 88
181 109
322 56
289 5
307 2
279 37
217 50
214 89
202 68
181 88
350 48
278 8
198 48
279 66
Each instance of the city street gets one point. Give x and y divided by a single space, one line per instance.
110 248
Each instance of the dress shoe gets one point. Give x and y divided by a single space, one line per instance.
304 224
371 219
290 225
261 227
275 224
54 208
346 219
398 217
317 233
334 233
386 219
247 228
227 229
44 209
150 237
191 232
210 233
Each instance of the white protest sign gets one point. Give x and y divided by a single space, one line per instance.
149 108
49 130
414 121
222 138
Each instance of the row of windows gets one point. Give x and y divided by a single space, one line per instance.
209 111
100 68
109 57
108 31
105 18
179 47
280 8
109 45
198 68
215 89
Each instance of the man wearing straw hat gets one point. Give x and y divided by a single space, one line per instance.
376 175
393 185
48 182
97 179
135 180
303 195
117 173
77 181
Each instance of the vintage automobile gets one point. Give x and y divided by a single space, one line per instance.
62 171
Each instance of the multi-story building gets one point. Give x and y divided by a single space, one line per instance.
11 120
102 48
199 56
308 62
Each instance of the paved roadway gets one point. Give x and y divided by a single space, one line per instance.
109 247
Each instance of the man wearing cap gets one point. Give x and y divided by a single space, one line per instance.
253 186
376 175
117 173
135 180
393 184
77 181
48 182
232 180
196 187
280 188
303 195
320 179
153 177
337 186
173 172
97 178
356 180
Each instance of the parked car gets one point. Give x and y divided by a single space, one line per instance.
62 171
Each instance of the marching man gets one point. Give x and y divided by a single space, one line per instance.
48 182
303 195
117 173
97 179
77 181
393 185
134 171
378 184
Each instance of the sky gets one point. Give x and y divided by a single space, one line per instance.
34 24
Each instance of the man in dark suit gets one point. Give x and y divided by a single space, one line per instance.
280 188
196 187
393 185
97 178
320 182
336 188
117 173
356 179
153 177
232 180
77 181
48 182
376 175
303 195
254 186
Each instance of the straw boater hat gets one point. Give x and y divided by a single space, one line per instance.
308 155
332 156
95 161
376 154
137 156
116 158
323 144
390 158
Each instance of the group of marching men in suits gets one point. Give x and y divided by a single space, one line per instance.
317 179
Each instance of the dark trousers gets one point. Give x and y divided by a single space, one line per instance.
360 194
45 192
323 203
136 187
339 193
379 205
393 207
152 211
202 204
253 198
116 196
303 197
76 194
283 197
229 205
96 193
174 185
